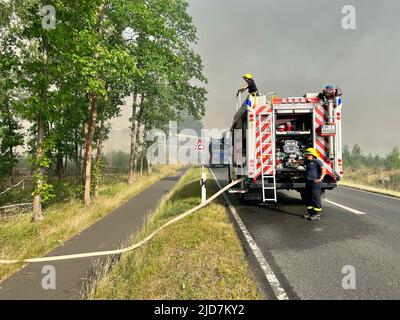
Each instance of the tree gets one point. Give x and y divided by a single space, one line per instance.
69 81
10 135
392 160
10 139
30 48
168 67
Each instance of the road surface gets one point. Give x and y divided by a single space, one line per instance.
357 229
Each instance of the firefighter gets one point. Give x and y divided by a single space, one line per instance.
311 195
250 85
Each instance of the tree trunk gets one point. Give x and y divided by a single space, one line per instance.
37 206
133 140
141 163
91 126
65 165
60 166
138 138
12 166
39 169
98 159
82 156
143 151
77 157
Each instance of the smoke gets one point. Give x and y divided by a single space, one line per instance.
294 47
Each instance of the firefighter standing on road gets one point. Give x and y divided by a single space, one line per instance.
250 85
311 195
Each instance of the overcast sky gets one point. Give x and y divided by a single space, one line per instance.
298 46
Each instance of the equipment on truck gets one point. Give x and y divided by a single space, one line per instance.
270 136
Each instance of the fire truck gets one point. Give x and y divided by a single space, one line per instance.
268 135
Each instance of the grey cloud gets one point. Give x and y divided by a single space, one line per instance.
297 46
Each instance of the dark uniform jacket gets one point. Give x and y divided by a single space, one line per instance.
251 86
313 169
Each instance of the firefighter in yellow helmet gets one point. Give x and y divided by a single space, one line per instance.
311 194
250 85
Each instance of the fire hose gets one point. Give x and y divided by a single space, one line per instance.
127 249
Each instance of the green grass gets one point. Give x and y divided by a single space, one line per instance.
199 257
21 239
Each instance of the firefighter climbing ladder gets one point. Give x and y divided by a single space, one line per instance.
266 133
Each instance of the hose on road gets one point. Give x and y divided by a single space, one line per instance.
132 247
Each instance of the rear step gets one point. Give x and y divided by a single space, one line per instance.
237 190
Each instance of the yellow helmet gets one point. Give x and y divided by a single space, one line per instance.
312 151
248 76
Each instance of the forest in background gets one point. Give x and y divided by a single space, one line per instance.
372 170
67 73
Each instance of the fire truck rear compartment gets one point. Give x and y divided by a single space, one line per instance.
294 134
291 142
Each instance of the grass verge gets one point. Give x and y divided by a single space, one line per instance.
199 257
20 239
363 187
378 180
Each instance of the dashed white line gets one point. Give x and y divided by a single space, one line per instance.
276 286
346 208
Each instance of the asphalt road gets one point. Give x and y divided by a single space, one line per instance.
308 256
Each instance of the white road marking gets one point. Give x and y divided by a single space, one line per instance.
346 208
370 192
269 274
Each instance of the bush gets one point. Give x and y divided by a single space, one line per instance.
392 160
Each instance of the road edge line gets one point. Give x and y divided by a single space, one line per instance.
273 281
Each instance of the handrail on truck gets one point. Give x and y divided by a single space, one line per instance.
239 98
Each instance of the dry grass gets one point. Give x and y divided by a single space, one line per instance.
375 180
19 238
199 257
364 187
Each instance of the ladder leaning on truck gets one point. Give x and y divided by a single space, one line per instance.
269 136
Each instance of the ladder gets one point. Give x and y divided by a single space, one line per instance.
266 129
